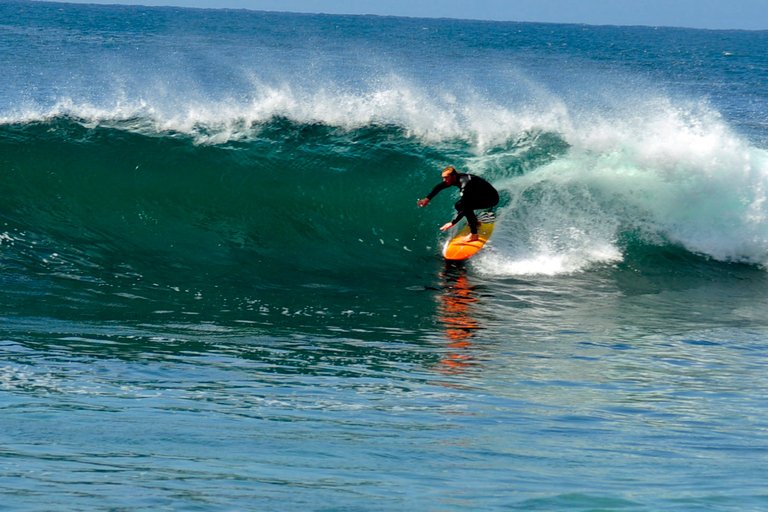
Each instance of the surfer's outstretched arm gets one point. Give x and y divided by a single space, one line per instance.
447 182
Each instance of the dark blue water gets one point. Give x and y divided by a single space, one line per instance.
217 293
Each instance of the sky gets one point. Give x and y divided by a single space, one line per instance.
709 14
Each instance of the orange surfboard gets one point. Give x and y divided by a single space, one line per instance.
457 249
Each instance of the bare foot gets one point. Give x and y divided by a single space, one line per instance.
472 238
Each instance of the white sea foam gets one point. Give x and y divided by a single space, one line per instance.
431 113
670 174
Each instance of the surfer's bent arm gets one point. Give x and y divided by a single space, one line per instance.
459 215
457 218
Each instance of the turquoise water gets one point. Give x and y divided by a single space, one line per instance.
218 293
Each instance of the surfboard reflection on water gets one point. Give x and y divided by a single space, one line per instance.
457 312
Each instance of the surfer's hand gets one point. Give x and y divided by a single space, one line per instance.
446 226
422 203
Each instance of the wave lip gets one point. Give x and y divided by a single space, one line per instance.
425 113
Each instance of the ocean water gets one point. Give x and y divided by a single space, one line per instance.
217 292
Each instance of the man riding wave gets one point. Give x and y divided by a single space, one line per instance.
476 194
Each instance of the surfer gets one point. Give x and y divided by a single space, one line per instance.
476 194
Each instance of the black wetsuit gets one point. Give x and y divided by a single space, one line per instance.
476 194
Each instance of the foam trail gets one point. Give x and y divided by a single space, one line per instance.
668 175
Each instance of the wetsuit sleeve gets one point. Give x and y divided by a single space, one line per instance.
438 188
456 218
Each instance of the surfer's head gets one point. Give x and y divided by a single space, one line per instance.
449 175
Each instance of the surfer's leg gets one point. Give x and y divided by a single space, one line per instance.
465 210
473 225
471 220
